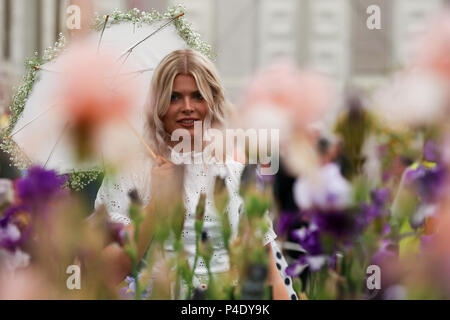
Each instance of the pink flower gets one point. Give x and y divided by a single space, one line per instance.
434 46
99 95
301 96
94 89
412 97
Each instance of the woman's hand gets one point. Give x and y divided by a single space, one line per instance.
166 180
166 186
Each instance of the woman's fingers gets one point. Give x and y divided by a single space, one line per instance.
160 160
166 178
163 164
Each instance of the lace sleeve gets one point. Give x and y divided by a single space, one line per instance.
115 189
270 235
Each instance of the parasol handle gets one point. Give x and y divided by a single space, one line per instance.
150 151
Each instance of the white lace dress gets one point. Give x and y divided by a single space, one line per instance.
199 179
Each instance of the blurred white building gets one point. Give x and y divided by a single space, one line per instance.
328 35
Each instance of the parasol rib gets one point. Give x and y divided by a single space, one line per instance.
56 143
103 31
31 121
147 37
38 68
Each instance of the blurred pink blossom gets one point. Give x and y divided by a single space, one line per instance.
409 98
434 46
303 97
99 95
94 87
25 284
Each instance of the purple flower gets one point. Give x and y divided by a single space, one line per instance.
385 254
367 215
386 176
386 258
15 216
309 239
333 260
327 190
39 185
316 263
428 181
296 268
430 185
289 220
13 260
386 229
424 211
431 151
9 233
426 242
129 291
379 196
117 232
342 225
412 174
369 212
9 213
10 237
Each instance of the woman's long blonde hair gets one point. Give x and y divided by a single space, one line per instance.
205 74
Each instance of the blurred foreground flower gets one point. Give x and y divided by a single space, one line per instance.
410 98
434 46
96 93
327 189
39 186
26 284
284 97
33 195
11 261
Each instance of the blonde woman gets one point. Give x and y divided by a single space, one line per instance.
186 90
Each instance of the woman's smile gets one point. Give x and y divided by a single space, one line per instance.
187 122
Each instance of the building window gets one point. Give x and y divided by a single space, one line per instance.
57 19
6 29
371 50
38 24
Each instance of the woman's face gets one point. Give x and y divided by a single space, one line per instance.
186 105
